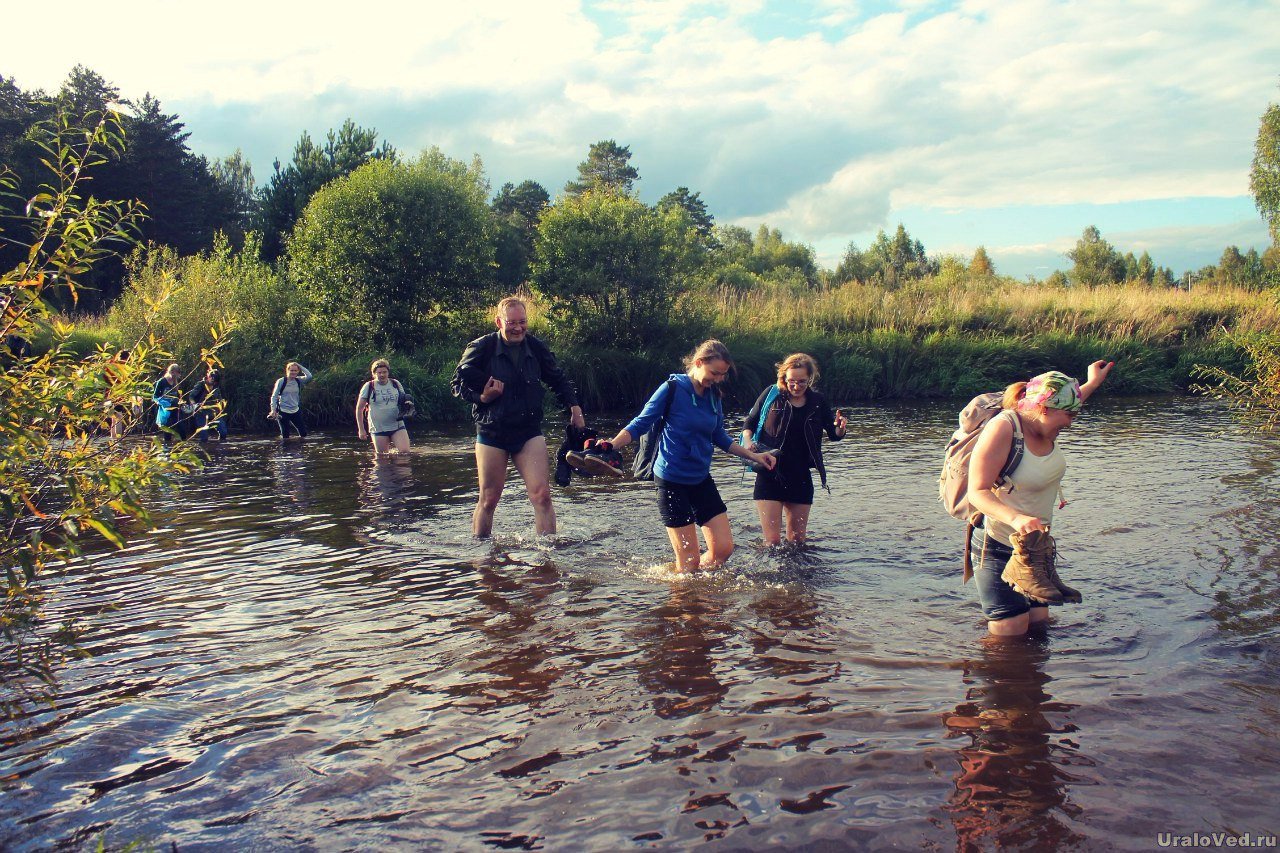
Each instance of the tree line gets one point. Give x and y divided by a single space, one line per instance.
190 199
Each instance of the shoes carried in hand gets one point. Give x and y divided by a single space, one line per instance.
596 457
1029 569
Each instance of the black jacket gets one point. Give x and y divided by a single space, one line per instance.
519 407
777 421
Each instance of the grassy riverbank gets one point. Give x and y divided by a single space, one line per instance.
943 336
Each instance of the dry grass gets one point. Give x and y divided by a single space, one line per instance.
993 306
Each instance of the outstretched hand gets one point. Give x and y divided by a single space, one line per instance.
842 422
1099 370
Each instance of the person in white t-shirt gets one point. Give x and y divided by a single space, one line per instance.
378 411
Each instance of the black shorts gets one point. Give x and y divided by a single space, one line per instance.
512 441
785 485
681 505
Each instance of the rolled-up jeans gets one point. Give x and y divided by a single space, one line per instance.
999 599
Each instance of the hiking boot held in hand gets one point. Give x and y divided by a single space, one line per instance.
1069 594
1029 569
597 457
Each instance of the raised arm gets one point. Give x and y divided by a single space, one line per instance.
1098 373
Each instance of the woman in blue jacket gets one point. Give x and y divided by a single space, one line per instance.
694 427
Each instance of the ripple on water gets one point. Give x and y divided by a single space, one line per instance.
312 652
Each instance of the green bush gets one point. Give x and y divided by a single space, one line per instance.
386 255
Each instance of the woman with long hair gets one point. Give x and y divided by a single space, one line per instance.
1022 504
693 428
787 421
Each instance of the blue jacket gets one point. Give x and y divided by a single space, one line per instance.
695 427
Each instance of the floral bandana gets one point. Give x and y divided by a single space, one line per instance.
1053 390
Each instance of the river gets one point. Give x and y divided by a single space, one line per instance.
312 653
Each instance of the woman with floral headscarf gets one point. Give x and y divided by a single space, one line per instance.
1024 502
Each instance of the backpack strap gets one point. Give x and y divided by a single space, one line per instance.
764 411
666 410
1016 447
974 521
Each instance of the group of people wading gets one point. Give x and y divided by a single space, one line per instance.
503 374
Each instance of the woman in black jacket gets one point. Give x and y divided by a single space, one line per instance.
788 419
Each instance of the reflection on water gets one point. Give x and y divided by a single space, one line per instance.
313 653
1011 789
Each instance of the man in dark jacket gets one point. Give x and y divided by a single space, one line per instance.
501 375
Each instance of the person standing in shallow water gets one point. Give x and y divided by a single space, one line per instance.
694 427
286 400
378 411
166 394
1045 406
501 375
790 417
205 397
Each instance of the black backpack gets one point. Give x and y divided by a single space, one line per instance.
647 449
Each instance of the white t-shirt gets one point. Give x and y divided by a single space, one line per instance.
384 406
1034 490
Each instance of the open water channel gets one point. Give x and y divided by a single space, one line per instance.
312 653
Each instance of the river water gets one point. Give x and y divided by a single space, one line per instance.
312 653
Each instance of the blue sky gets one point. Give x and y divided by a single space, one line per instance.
1012 125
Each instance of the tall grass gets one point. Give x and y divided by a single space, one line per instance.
1002 306
949 335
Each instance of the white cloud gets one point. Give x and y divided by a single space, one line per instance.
981 103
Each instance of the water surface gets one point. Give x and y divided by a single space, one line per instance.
312 653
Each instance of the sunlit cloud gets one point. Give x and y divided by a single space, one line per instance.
822 118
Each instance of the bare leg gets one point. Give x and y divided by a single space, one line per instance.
1038 614
534 469
491 467
797 522
684 542
1012 627
719 541
381 445
401 440
770 521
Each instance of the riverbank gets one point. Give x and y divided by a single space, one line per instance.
945 336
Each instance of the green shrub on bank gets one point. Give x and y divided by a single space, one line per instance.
947 336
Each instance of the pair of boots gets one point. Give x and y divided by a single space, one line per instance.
1031 569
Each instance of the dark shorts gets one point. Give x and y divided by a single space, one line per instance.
512 441
681 505
391 432
785 485
999 600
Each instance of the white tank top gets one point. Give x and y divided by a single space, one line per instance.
1032 490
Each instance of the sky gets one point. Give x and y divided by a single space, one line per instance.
1012 125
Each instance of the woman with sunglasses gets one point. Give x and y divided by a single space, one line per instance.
787 421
